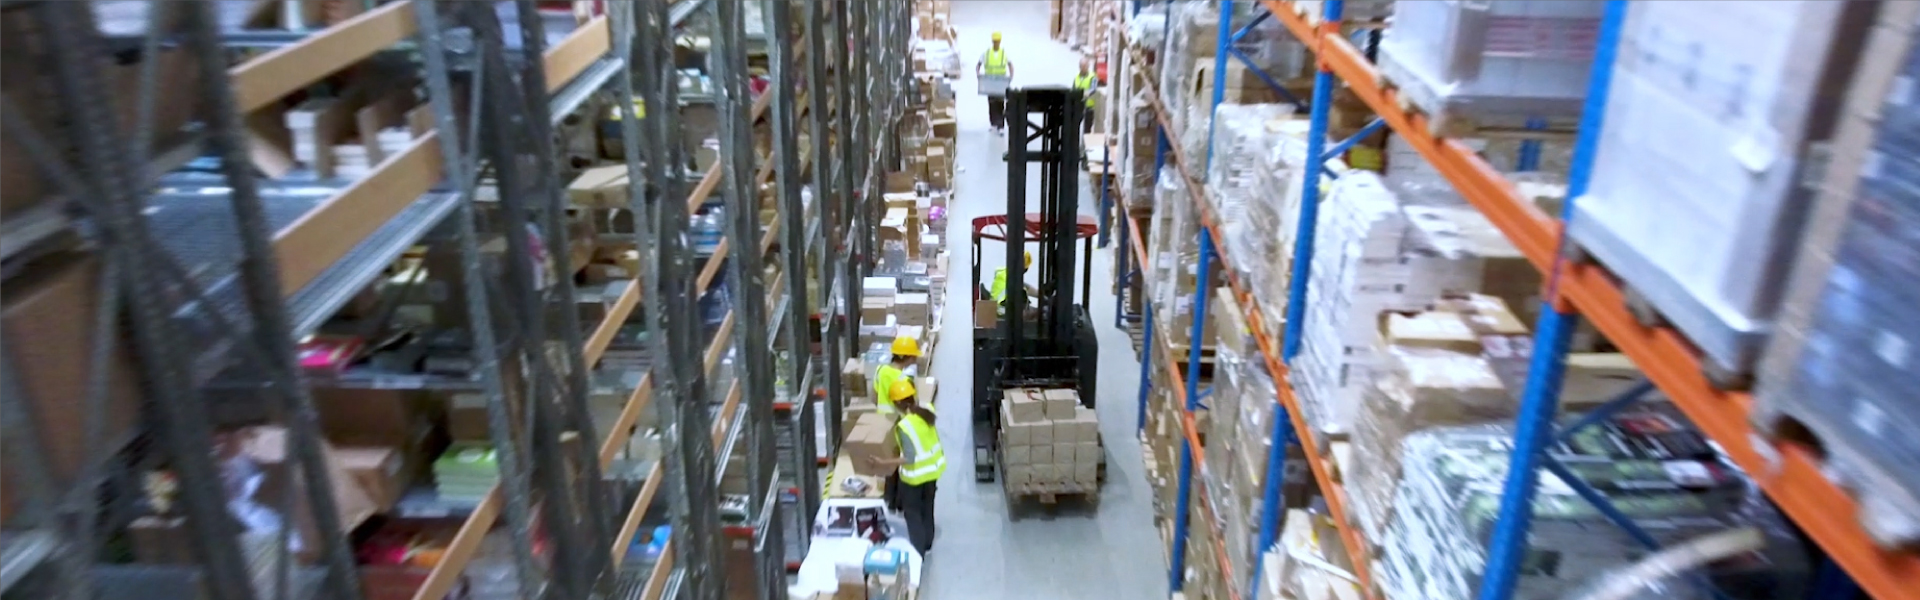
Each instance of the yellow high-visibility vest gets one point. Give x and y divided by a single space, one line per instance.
999 289
1084 83
929 460
882 382
996 62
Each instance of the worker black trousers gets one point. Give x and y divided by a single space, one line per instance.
997 111
916 501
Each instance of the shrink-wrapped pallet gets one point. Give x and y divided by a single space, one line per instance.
1842 366
1696 200
1462 60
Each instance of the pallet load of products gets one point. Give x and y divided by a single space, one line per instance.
1049 444
1085 24
1840 367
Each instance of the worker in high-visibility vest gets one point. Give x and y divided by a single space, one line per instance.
905 352
994 63
1086 83
998 291
920 461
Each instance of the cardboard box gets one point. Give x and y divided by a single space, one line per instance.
1041 434
875 310
1025 405
853 376
985 313
1086 473
600 187
1045 474
1064 452
1018 454
912 308
1086 425
1040 454
1013 433
1061 403
869 438
1087 453
267 447
48 318
1018 475
380 472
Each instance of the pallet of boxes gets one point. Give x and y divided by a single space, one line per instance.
1049 446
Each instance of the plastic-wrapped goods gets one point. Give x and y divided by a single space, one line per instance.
1695 200
1434 375
1243 138
1355 11
1843 364
1140 135
1647 460
1493 60
1372 255
1148 28
1188 24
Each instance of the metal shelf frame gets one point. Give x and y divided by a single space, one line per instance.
521 324
1788 473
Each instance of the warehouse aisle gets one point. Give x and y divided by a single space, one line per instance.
1104 551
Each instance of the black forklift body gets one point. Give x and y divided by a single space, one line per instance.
1050 343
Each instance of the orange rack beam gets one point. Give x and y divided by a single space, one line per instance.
1789 473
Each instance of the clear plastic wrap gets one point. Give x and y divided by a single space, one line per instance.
1843 363
1244 136
1490 60
1653 467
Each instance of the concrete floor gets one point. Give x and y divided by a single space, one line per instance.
1107 550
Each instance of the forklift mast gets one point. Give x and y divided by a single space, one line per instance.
1057 130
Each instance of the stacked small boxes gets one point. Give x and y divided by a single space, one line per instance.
1049 443
1376 252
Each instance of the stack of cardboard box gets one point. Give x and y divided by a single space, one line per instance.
1049 443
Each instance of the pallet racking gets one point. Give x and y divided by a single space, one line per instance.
300 258
1789 473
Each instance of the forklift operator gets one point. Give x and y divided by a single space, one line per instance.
999 290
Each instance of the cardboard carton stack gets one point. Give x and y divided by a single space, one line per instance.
869 437
1049 443
1381 250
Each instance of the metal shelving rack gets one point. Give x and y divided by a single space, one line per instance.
1788 473
523 330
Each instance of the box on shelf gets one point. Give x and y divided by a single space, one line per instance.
1711 251
601 187
47 314
1492 61
1841 369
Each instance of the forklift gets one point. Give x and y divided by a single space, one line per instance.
1049 343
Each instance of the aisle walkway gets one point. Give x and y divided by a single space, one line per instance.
1107 551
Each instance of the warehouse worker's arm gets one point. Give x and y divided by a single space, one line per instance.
903 453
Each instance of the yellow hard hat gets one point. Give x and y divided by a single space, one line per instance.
902 388
996 36
905 346
1029 259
